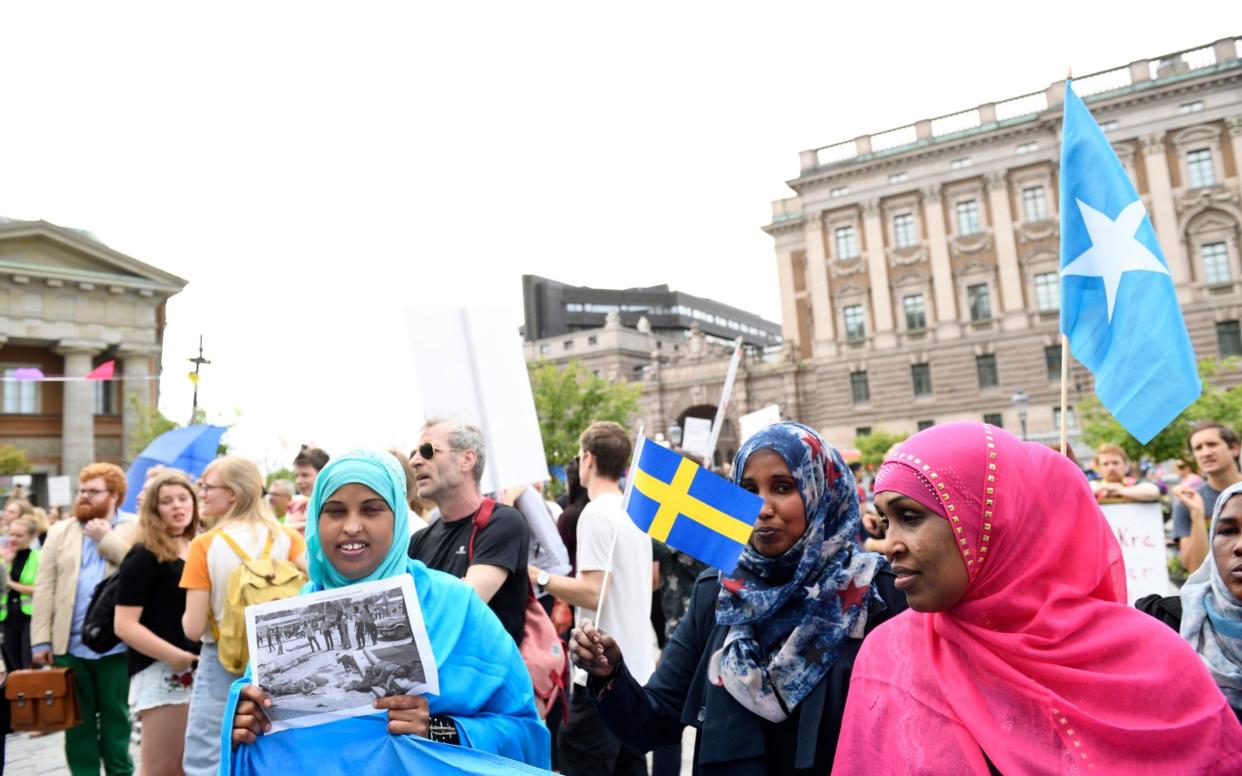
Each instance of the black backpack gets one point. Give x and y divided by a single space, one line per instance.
97 629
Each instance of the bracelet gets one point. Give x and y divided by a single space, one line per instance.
443 730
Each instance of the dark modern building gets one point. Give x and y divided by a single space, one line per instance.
553 309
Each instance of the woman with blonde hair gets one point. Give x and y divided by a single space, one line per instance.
150 603
18 603
232 499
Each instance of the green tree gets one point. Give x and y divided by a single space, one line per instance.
283 473
567 400
1223 405
151 423
12 460
873 446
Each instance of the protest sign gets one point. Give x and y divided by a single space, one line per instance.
754 422
1139 529
697 436
59 491
470 365
311 652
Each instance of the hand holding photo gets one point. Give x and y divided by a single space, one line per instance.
329 655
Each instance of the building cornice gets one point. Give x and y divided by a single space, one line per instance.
1046 121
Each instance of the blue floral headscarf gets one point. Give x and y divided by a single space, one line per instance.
380 472
797 608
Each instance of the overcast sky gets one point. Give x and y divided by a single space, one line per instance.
314 169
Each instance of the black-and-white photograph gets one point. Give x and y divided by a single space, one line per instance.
328 655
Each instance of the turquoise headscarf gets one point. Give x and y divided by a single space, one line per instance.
380 472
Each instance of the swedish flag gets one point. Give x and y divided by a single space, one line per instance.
690 509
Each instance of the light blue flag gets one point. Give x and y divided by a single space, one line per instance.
1118 305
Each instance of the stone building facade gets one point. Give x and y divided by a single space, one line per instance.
69 303
918 266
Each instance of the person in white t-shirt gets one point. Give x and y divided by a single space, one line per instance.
607 540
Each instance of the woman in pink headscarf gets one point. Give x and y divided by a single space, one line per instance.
1018 654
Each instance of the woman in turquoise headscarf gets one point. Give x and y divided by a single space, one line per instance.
356 532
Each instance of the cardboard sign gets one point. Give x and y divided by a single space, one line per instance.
696 437
1139 529
754 422
469 365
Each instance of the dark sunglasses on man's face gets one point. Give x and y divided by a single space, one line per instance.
428 450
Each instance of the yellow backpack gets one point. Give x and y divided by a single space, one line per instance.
255 581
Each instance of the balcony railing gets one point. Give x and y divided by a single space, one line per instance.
1176 64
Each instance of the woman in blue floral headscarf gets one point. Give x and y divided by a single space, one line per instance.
761 663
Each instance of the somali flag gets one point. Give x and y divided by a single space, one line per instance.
689 508
1118 305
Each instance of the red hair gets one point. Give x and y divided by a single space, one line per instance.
110 473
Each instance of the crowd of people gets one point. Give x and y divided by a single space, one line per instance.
967 612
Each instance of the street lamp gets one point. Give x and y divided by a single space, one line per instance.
1022 404
674 434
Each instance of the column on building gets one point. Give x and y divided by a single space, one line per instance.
947 326
77 446
1006 251
1234 124
136 364
817 283
877 272
789 301
1163 211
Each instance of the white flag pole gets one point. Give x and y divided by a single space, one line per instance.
625 500
725 392
1065 357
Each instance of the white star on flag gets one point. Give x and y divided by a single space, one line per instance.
1113 251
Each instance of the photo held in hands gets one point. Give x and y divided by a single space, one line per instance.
328 655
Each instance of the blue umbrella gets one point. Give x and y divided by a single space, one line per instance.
189 449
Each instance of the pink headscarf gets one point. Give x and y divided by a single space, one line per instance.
1041 664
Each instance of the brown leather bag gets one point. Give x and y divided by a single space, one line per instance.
43 699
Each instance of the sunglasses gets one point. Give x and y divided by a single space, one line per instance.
428 450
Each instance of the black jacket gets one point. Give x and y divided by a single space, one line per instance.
731 739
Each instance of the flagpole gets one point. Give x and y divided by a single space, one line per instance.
1065 357
629 484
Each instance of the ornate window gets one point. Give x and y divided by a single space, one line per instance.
980 302
21 397
916 312
968 218
1215 259
1034 204
1047 291
903 230
1199 168
847 242
855 329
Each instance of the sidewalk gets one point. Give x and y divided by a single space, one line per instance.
42 756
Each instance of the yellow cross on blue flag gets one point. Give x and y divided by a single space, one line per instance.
689 508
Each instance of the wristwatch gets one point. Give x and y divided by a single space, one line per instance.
443 730
542 579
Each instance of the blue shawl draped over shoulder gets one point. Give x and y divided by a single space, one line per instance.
484 685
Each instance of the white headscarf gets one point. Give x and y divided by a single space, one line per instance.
1212 616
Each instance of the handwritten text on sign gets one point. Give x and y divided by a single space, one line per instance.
1139 529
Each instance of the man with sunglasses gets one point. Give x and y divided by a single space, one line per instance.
77 556
448 467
